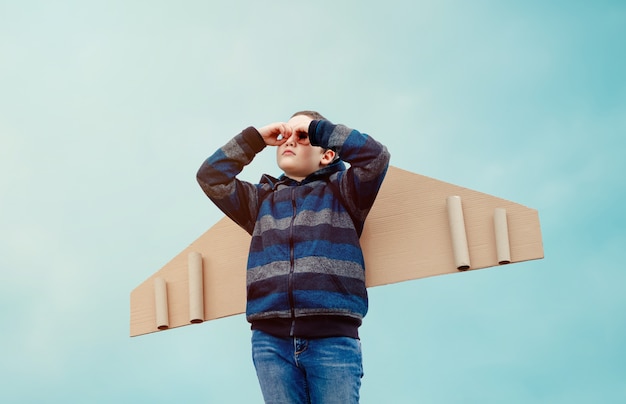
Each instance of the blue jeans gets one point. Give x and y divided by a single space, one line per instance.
296 370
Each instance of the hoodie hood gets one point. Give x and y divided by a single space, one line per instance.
322 173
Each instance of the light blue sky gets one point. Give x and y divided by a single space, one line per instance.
107 109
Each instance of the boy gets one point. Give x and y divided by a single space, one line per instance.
306 292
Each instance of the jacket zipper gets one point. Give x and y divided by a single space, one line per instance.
292 263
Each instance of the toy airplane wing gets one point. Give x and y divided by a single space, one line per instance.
418 227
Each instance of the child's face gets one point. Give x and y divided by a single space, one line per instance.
296 157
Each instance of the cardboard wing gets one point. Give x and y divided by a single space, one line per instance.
418 227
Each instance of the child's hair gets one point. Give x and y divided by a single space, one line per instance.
311 114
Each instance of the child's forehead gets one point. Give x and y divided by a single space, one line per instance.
298 119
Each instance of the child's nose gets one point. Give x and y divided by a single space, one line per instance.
293 139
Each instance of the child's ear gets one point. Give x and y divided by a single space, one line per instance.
327 157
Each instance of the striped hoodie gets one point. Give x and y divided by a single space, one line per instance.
305 271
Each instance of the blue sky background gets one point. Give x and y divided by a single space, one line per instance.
107 109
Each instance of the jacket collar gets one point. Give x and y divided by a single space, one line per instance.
321 174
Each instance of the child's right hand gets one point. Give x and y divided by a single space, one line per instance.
276 133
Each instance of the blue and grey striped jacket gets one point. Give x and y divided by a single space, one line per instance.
305 274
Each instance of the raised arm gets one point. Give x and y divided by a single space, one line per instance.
218 178
368 161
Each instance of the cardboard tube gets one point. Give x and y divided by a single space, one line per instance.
196 293
503 248
160 300
457 232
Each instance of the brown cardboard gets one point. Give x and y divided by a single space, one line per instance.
407 236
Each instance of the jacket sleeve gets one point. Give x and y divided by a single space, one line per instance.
368 161
218 178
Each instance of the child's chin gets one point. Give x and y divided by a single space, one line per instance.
286 165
